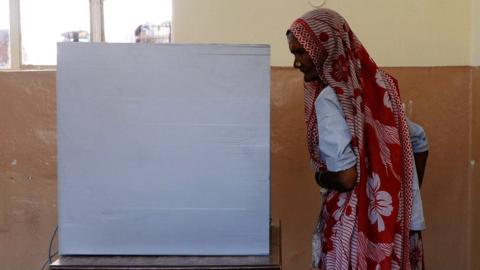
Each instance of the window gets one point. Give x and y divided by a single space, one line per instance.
138 21
44 23
4 35
42 26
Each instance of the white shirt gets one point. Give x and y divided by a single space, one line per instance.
336 151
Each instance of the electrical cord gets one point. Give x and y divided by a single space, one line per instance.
50 246
50 255
48 260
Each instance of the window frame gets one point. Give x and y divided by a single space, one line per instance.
97 34
15 46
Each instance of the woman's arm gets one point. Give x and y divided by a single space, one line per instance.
343 181
334 143
420 147
420 163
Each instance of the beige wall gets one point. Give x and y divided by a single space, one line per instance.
442 103
475 47
396 33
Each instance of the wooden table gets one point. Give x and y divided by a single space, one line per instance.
271 262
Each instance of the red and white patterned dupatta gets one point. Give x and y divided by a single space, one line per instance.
367 228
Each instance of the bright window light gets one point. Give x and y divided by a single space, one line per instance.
46 22
138 21
4 34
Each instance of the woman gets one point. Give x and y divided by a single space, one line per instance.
363 157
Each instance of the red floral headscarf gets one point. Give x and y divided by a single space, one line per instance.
367 228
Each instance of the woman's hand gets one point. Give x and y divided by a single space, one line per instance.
343 181
420 163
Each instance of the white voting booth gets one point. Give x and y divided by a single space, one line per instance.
163 149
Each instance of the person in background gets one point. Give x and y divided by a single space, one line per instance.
360 145
154 33
141 33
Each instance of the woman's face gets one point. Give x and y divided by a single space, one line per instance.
302 60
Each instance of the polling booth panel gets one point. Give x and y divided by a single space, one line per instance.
163 149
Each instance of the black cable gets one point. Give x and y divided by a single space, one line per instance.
49 259
50 246
50 255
